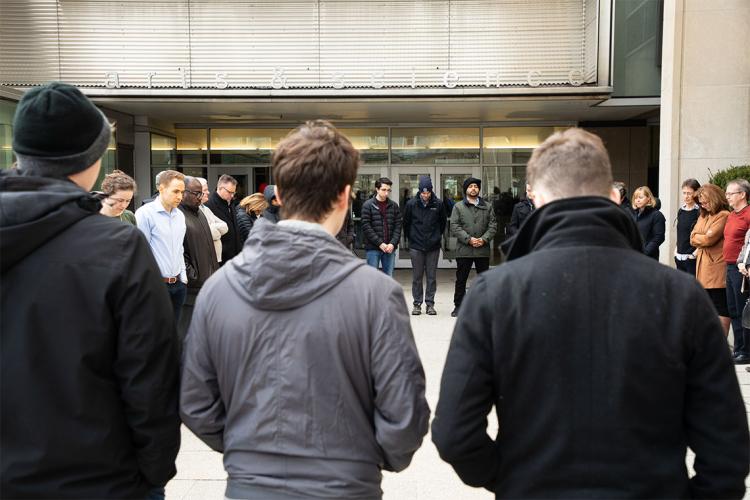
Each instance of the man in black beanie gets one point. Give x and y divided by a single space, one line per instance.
89 363
474 225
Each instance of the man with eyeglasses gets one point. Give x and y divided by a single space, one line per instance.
220 203
200 255
381 226
735 229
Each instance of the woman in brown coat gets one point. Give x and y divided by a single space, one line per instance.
708 239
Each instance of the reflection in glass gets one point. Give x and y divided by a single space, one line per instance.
252 146
372 143
513 145
505 186
363 189
7 110
435 146
192 146
163 151
109 160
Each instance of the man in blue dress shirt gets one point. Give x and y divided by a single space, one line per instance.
163 224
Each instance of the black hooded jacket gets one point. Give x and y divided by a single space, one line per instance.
89 364
231 242
600 375
424 225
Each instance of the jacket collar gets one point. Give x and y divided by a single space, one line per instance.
576 222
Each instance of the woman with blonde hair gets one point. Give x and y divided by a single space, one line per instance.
708 239
118 189
651 223
251 208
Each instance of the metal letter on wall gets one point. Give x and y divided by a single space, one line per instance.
113 80
221 81
532 78
278 80
149 78
450 79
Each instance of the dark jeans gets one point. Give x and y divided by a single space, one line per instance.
463 267
686 265
187 314
177 293
156 493
424 263
736 302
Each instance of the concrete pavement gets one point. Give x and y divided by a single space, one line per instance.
201 476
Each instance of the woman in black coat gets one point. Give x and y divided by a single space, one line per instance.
249 210
687 216
651 222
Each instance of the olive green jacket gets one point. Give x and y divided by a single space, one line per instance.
477 221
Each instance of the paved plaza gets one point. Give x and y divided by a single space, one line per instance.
201 476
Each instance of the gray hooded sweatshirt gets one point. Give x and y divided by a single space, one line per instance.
301 367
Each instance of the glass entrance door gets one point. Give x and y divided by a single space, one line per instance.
447 185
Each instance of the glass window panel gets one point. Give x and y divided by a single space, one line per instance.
637 48
513 145
163 151
372 143
7 110
503 187
231 146
109 160
435 146
363 189
192 146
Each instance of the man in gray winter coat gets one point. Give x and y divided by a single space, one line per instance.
300 364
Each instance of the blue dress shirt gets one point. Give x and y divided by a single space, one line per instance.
165 233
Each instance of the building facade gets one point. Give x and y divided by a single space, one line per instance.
446 88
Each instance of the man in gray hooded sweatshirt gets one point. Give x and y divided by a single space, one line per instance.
300 364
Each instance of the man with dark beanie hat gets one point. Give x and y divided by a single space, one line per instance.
474 225
89 357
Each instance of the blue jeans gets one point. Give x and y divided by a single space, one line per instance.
736 302
386 260
177 293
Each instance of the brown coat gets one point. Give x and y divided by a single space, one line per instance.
708 239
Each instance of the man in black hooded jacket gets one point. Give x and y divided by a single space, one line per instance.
89 358
599 389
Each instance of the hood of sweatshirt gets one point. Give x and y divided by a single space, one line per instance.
285 266
33 210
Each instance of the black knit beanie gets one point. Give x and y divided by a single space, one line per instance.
57 131
472 180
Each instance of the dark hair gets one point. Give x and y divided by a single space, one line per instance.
383 180
692 184
226 179
166 177
117 181
312 167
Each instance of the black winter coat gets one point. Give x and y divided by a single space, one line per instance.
598 391
651 224
245 223
521 211
424 225
231 244
372 224
89 351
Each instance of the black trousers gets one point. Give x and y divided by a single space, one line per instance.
686 265
463 267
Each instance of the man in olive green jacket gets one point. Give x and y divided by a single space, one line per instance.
473 223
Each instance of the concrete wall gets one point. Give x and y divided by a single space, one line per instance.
705 95
628 151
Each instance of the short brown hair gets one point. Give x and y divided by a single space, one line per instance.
715 197
166 177
312 166
117 181
571 163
